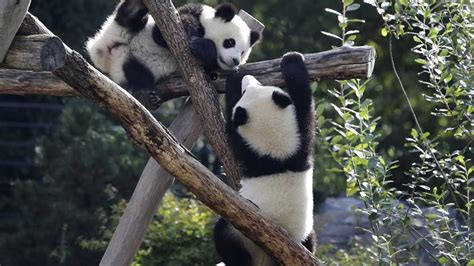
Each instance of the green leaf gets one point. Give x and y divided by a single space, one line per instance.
470 263
353 7
421 61
384 32
332 11
331 35
443 260
348 2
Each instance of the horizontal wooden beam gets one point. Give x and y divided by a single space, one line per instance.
341 63
21 82
39 52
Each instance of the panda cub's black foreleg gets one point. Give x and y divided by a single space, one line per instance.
229 246
297 81
131 14
205 51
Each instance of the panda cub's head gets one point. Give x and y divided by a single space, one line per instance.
264 117
231 35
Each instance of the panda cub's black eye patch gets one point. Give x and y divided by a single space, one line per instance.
229 43
281 99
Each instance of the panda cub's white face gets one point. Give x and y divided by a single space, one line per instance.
269 128
232 38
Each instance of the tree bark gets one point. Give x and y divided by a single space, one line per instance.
146 198
12 13
21 82
40 52
341 63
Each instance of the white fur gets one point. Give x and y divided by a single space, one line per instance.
270 130
236 29
141 45
286 197
108 59
158 59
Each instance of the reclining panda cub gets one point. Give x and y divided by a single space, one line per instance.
271 133
130 48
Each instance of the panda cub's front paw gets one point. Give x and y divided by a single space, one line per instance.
194 45
292 65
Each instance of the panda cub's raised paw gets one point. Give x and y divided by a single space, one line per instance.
292 65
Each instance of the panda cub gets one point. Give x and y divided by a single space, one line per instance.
271 132
130 49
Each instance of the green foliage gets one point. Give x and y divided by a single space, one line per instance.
439 177
86 155
180 234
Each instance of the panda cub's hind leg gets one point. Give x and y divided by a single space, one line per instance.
230 245
140 83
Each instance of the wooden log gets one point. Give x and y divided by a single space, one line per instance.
22 82
12 13
340 63
146 198
40 52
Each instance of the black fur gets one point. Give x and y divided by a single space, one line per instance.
158 37
310 242
205 51
140 83
240 117
226 11
255 36
298 86
281 99
132 14
229 247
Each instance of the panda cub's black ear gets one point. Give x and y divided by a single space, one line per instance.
240 116
255 36
226 11
281 99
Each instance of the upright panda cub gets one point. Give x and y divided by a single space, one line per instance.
271 132
130 49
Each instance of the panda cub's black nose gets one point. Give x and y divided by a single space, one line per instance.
236 61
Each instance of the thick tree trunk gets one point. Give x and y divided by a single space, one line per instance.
12 13
40 52
341 63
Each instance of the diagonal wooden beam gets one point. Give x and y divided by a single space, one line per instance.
152 186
